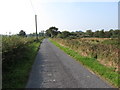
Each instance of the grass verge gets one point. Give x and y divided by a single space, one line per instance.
17 74
91 63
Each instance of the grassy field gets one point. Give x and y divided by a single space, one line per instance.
71 47
18 56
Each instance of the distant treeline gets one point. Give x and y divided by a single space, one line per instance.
53 32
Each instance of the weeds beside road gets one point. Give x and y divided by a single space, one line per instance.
92 63
18 55
105 50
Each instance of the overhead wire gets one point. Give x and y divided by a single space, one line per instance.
32 7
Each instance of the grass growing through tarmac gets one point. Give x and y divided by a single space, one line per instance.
93 64
18 75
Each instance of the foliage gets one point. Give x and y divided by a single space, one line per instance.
105 53
22 33
18 55
13 42
64 34
52 32
89 32
106 72
40 34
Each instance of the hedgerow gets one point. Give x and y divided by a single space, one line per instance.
98 48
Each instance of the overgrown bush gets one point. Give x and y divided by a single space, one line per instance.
18 55
13 48
106 53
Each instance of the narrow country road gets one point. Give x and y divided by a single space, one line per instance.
55 69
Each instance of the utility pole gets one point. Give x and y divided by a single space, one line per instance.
36 27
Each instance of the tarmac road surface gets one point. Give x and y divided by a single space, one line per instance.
55 69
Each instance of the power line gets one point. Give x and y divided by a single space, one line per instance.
35 20
32 6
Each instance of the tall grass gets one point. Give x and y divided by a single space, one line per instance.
106 53
18 56
105 72
10 43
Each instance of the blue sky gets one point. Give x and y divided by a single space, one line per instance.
83 15
72 16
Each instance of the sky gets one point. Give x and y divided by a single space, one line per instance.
119 15
71 15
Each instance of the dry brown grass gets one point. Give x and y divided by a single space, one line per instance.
106 54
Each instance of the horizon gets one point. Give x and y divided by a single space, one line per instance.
70 16
58 30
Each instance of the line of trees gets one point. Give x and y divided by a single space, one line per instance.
53 32
22 33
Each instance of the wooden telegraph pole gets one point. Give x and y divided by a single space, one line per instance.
36 27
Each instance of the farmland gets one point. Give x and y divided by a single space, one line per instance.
18 54
98 54
104 50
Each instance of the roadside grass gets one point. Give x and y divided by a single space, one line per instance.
16 75
101 70
113 41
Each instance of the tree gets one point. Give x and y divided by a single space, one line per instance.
116 33
89 33
111 31
74 34
22 33
52 32
64 34
96 34
48 33
107 34
101 34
